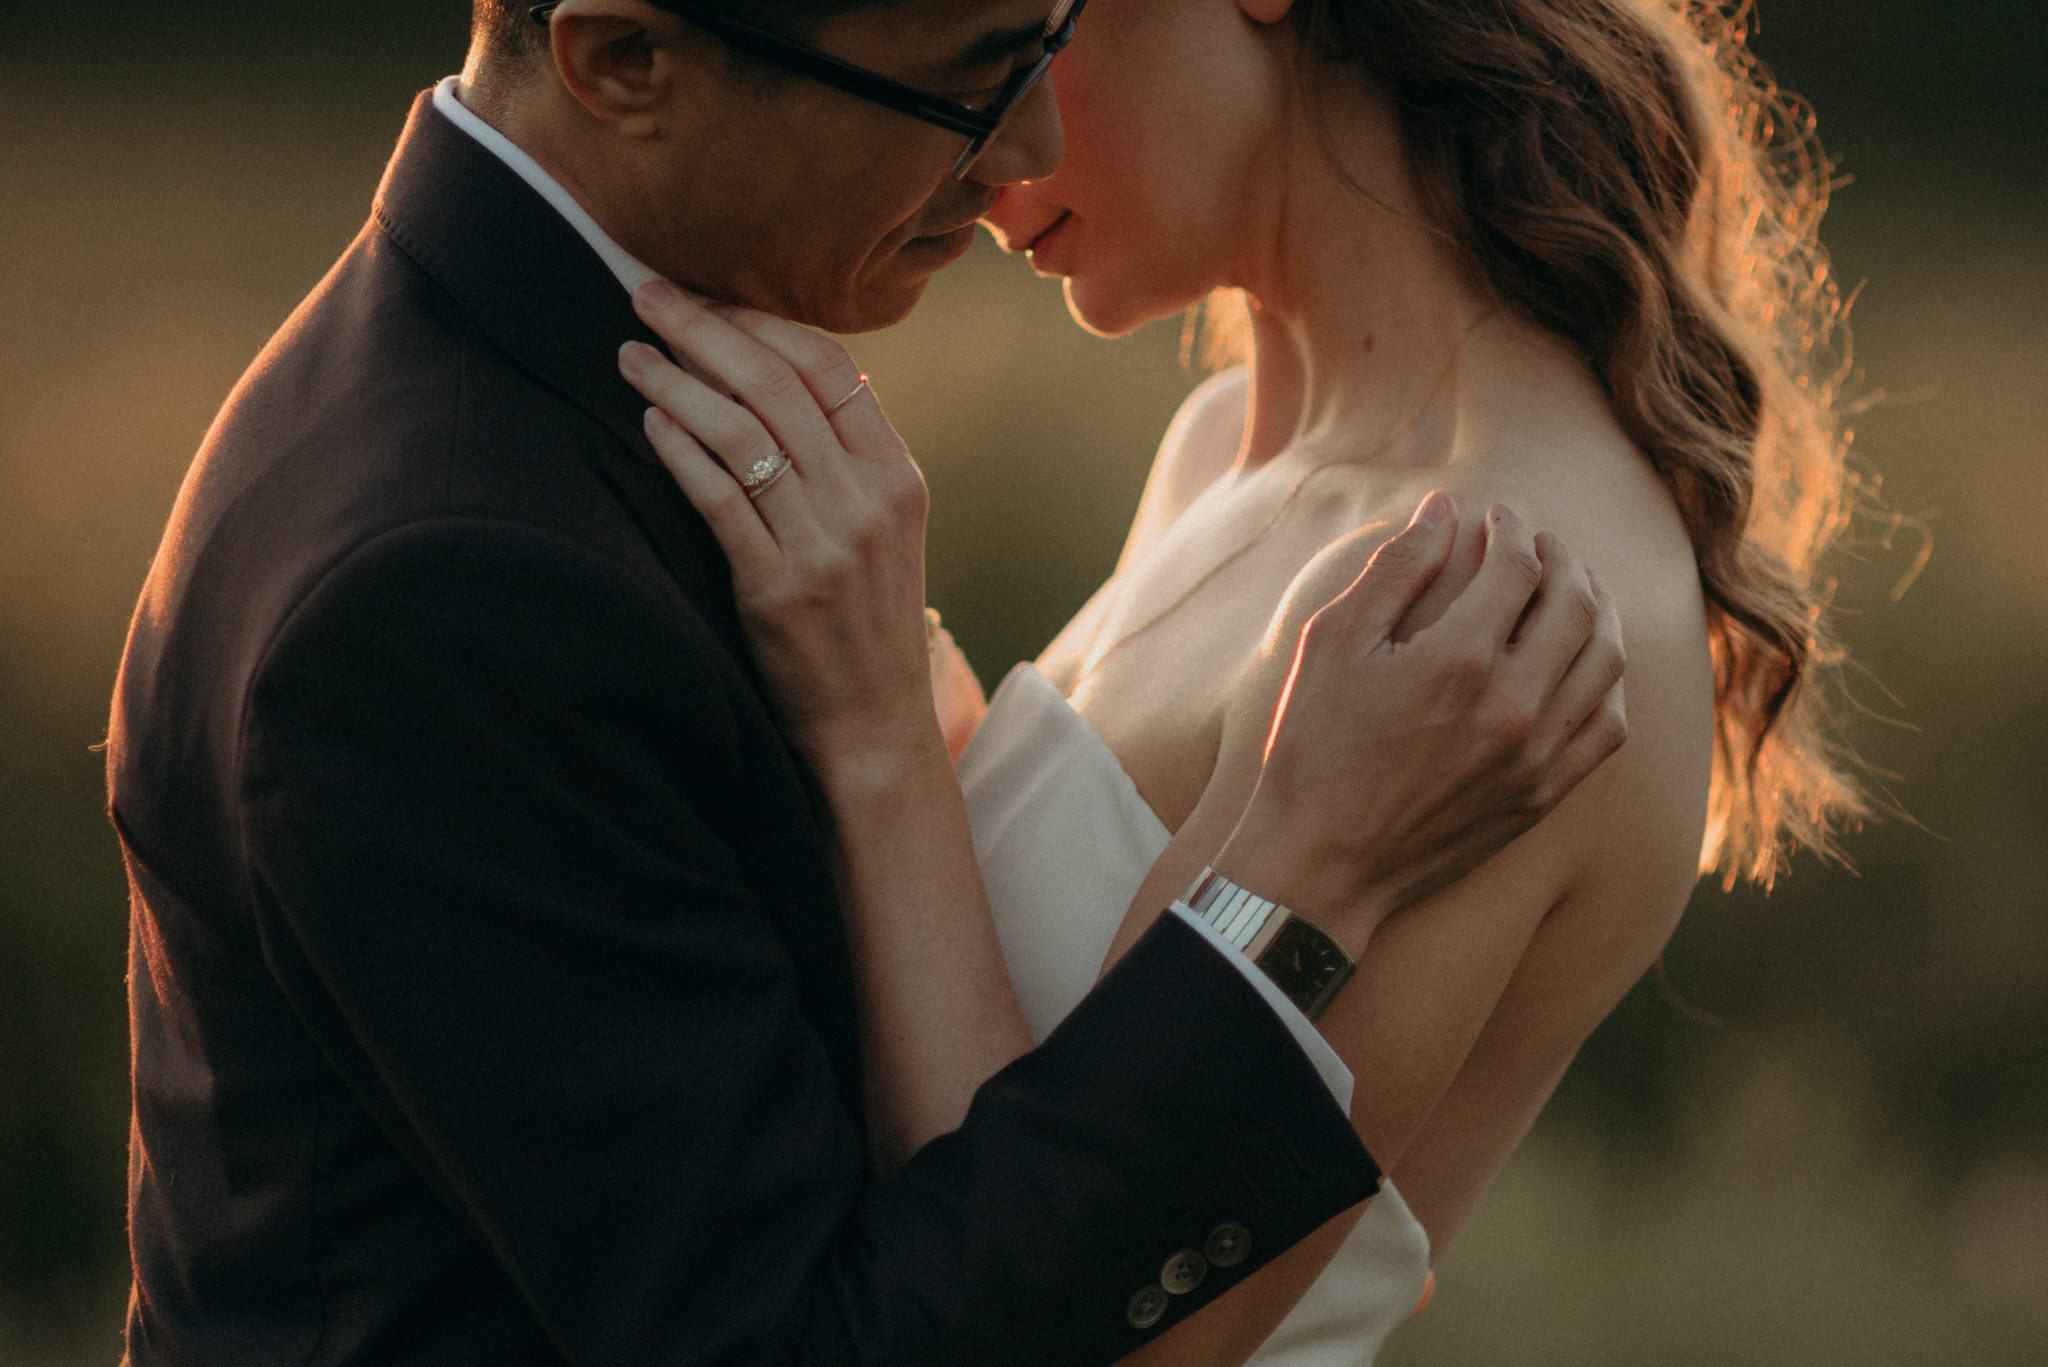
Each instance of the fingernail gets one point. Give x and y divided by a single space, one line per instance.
1435 511
633 355
657 294
658 421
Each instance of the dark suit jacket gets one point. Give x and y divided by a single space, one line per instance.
490 997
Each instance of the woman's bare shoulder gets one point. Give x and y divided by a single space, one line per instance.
1627 846
1577 477
1598 495
1619 856
1629 838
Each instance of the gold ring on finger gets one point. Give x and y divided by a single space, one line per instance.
762 475
849 398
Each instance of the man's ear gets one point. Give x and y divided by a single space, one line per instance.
1266 11
618 58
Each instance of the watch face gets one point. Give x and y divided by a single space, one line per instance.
1305 962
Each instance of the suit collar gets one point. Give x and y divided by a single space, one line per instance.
516 266
630 271
536 289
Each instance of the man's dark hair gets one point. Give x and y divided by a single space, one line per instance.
505 33
510 39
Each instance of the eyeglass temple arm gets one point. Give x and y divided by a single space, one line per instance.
803 61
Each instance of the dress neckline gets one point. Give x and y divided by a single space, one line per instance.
1049 696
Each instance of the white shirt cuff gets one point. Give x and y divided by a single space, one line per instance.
1328 1066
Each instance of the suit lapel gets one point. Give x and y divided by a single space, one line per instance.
532 285
536 290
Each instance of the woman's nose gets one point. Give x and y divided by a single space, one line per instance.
1030 145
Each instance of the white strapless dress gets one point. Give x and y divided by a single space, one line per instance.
1064 840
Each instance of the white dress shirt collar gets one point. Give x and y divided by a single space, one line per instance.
631 272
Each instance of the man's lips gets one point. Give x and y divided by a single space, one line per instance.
946 232
966 219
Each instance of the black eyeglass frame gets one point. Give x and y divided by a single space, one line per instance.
979 126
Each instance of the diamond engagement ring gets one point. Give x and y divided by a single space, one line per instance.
763 474
849 398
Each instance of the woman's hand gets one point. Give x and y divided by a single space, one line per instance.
828 570
1399 756
828 559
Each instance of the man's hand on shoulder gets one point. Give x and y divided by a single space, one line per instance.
1399 759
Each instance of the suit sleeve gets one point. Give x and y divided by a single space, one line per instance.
487 786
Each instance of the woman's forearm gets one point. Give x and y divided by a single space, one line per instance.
938 1014
819 509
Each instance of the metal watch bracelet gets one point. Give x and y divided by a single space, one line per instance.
1301 958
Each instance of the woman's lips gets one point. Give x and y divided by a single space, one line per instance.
1044 248
1021 231
1012 216
1047 231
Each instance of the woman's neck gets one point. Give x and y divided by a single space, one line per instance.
1358 305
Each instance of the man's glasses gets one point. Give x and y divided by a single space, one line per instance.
979 126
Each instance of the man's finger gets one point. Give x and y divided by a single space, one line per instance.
1591 746
1399 571
1560 621
1509 576
1592 681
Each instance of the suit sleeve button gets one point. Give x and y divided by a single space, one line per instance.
1147 1308
1228 1245
1183 1272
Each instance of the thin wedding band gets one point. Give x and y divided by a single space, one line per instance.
849 398
765 472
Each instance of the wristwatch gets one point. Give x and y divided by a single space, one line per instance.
1297 954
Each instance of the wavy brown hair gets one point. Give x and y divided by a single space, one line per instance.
1625 173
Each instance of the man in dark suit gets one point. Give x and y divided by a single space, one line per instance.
490 997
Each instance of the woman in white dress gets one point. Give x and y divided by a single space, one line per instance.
1534 250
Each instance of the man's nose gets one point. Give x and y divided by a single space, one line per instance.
1030 146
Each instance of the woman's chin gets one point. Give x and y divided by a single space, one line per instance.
1103 313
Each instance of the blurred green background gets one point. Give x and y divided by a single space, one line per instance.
1853 1168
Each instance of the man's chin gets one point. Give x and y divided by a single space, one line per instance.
878 304
888 289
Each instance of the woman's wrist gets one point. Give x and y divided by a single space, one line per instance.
859 762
